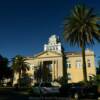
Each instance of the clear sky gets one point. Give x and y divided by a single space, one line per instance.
25 25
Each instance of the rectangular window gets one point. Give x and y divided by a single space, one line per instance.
78 64
50 67
69 76
89 63
68 64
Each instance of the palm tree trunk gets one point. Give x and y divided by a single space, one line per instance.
84 64
64 69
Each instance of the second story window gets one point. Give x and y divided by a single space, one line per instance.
68 64
89 63
78 63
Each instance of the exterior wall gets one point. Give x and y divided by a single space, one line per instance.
33 63
91 71
76 73
53 53
57 63
15 79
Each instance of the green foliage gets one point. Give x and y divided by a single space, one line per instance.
19 65
97 80
25 80
81 25
61 80
81 29
42 73
5 71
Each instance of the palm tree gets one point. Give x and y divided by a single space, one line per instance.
81 29
42 73
19 65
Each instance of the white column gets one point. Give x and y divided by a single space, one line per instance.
56 68
53 71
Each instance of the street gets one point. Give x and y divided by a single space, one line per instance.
11 94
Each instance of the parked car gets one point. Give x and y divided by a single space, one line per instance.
65 90
76 91
44 88
84 92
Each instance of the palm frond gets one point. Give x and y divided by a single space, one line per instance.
82 24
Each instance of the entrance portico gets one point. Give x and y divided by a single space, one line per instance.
52 65
53 61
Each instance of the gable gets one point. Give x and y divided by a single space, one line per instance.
48 54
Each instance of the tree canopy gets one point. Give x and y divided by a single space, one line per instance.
82 28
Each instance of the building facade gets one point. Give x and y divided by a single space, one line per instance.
52 57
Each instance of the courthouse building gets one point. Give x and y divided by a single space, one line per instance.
53 57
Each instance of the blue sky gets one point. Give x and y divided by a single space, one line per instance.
25 25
